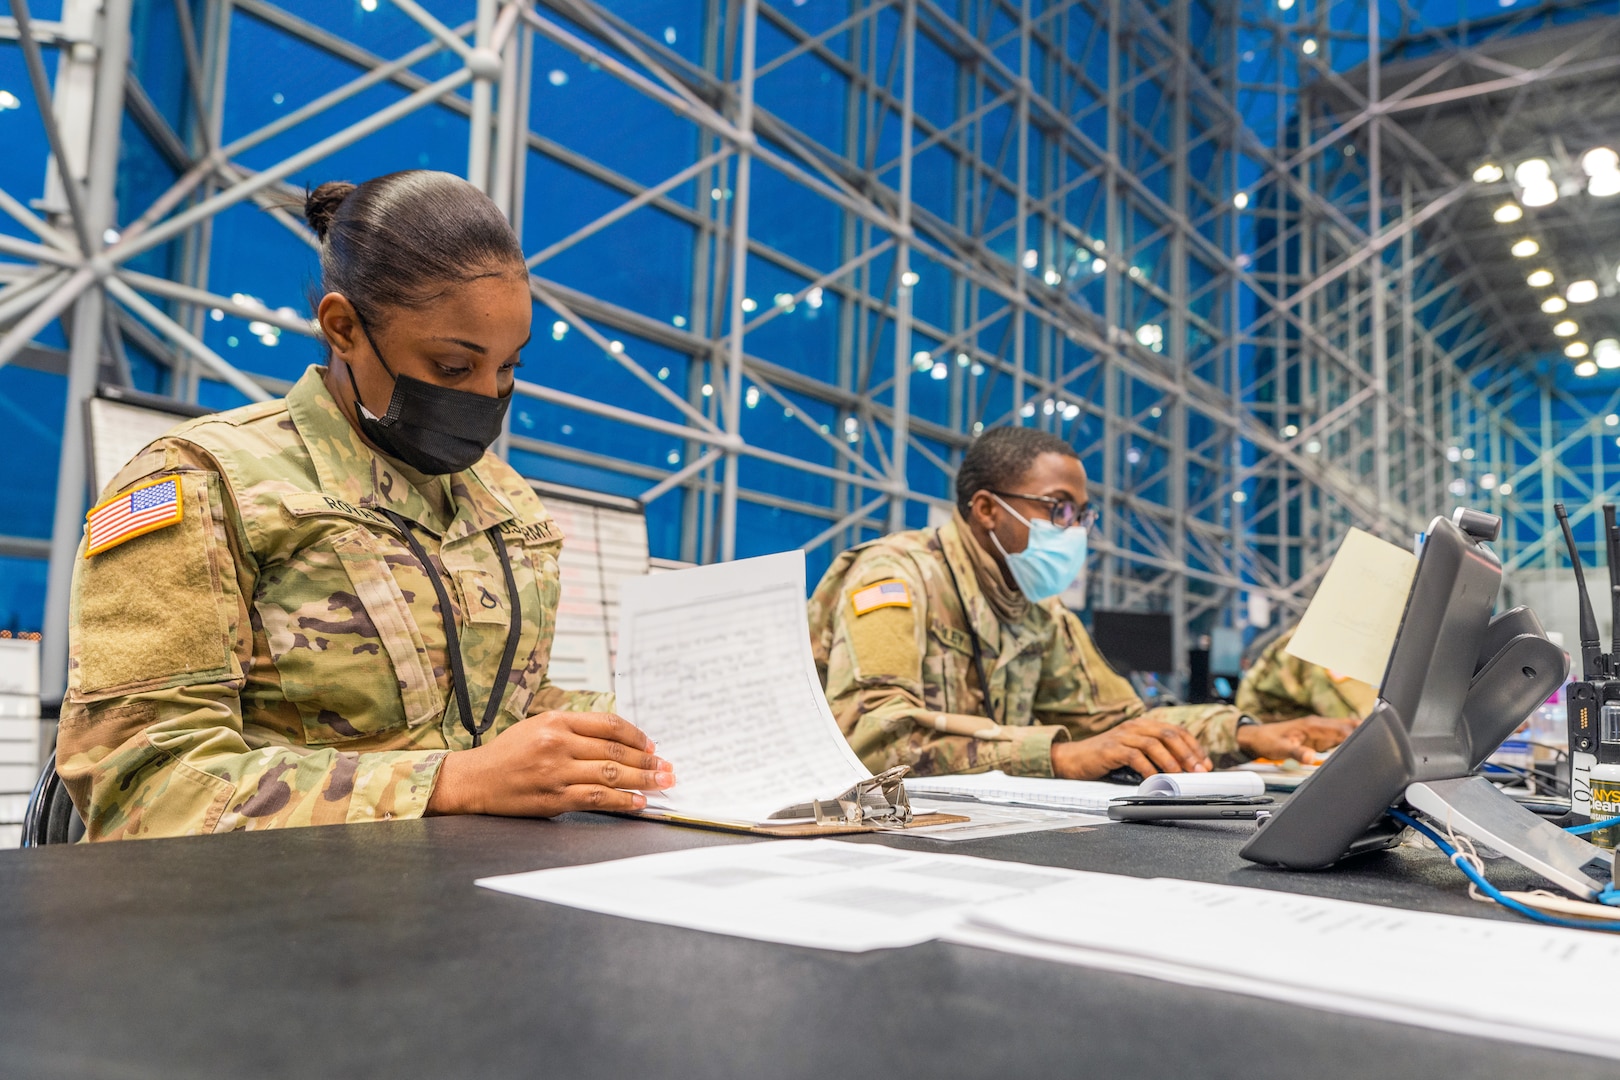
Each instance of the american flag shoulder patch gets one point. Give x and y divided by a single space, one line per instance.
882 594
138 511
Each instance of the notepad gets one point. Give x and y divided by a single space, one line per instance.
1080 796
714 664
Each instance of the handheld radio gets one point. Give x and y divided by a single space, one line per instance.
1594 701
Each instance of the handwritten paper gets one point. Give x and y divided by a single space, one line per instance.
1352 620
714 664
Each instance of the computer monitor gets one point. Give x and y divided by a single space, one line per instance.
1135 640
1458 682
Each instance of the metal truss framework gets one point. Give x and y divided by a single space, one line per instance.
1154 240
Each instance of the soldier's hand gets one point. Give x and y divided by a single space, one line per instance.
1298 739
1148 746
552 763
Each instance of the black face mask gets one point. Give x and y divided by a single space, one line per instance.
433 429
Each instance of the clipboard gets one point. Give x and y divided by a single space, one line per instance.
876 804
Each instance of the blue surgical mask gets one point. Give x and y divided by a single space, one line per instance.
1050 561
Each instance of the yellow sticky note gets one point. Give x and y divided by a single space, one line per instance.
1352 620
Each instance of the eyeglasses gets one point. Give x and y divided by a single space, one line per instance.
1064 513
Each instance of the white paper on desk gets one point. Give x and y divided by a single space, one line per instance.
1421 968
1351 623
714 664
1083 796
987 819
823 894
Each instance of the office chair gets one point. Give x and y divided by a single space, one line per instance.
51 818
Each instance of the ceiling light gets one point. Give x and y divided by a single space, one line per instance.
1607 355
1241 200
1553 305
1540 193
1576 349
1603 185
1586 369
1533 171
1488 173
1600 160
1308 47
1582 292
1508 213
1525 248
1539 279
1504 489
1567 328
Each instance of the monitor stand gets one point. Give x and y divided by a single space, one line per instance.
1473 807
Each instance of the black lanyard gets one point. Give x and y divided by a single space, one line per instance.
452 638
973 635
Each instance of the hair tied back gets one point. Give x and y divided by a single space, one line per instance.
321 205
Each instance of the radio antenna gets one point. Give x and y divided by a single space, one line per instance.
1592 667
1612 535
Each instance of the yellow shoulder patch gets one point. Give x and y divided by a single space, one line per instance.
891 592
142 509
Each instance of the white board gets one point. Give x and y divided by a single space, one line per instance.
119 430
604 542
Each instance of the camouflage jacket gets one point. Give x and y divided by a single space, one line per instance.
1279 686
276 656
901 680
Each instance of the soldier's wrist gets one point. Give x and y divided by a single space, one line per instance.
447 796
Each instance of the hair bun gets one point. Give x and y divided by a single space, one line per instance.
321 205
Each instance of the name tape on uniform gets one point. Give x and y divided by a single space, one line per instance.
136 512
309 503
882 594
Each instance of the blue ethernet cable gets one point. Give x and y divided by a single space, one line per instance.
1593 826
1608 896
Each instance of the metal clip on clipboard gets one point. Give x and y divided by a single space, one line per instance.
880 800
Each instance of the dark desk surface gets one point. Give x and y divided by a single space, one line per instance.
366 950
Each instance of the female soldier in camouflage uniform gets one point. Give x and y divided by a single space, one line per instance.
338 606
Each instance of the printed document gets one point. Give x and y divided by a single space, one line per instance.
825 894
714 664
1411 967
1079 796
989 819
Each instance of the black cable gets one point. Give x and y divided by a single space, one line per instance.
452 637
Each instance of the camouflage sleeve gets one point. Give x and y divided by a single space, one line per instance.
1272 690
152 740
552 698
877 687
1080 691
1214 726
